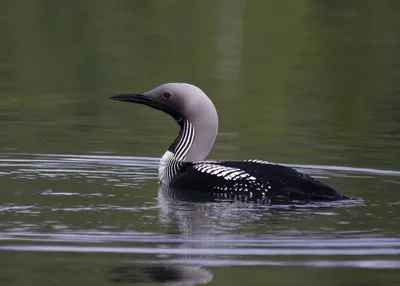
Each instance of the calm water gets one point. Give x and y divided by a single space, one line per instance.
310 84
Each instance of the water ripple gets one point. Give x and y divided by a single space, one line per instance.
205 251
63 163
70 203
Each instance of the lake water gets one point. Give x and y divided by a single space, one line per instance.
310 84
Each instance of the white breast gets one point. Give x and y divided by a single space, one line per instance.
164 168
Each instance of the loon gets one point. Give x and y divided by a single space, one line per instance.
184 165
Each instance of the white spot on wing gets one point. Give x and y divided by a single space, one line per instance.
259 161
227 173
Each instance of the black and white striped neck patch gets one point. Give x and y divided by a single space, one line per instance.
186 141
173 159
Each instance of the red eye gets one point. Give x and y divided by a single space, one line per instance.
166 95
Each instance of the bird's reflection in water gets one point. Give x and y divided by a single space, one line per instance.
197 221
165 274
192 218
188 218
200 217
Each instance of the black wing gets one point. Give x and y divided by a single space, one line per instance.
254 179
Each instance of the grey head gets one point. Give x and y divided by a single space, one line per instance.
185 103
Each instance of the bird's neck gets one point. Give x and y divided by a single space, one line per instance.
193 143
195 139
183 143
198 130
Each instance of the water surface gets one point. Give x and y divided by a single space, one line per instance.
109 205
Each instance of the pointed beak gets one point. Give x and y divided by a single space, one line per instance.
143 99
135 98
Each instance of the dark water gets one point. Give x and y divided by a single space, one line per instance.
310 84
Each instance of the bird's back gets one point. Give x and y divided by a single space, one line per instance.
253 179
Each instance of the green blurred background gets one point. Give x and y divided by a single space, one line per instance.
308 81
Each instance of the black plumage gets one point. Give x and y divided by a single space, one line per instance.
252 179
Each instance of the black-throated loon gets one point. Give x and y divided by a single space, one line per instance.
184 165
